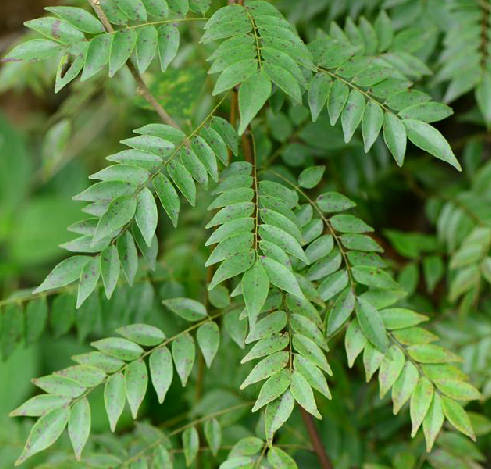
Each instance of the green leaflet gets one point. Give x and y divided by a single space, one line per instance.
190 440
168 197
433 421
352 114
283 240
183 180
79 17
195 167
253 94
302 393
97 55
404 386
228 248
219 297
45 432
231 213
279 191
213 435
400 318
431 140
64 77
36 315
354 342
458 390
110 267
372 360
234 75
372 122
483 96
278 458
337 100
320 248
371 324
79 425
179 6
281 277
136 379
114 398
309 349
119 212
274 387
226 131
232 267
457 416
114 14
208 337
373 277
133 9
37 49
312 374
236 328
277 413
161 370
420 403
333 284
104 192
128 256
64 273
99 360
310 177
85 375
60 386
146 45
334 202
282 221
206 155
284 79
267 345
142 334
395 136
150 144
359 242
146 215
349 224
426 112
429 353
39 405
188 309
265 368
390 368
162 457
59 30
122 47
118 348
267 326
303 325
341 311
183 354
168 45
319 89
88 279
255 288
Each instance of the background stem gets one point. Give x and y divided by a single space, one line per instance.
324 461
142 87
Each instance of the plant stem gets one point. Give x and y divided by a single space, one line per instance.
201 368
324 461
142 87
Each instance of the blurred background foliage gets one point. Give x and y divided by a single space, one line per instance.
50 143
